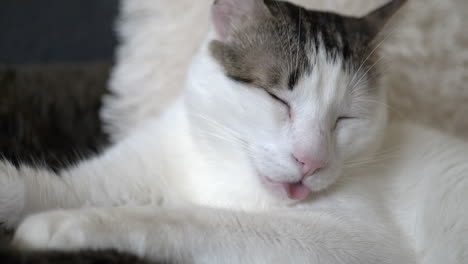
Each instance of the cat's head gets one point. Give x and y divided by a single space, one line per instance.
292 89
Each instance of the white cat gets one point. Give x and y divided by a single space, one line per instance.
278 151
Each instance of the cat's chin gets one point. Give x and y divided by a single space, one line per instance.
296 192
286 191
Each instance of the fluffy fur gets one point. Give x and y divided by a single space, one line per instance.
425 51
195 175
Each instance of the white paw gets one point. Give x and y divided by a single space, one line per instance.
52 230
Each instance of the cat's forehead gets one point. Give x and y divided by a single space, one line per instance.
278 51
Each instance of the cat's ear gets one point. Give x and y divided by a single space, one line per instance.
374 22
229 15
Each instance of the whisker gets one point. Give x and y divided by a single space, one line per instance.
377 46
231 140
224 133
366 72
389 107
376 158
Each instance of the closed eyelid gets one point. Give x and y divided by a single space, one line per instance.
346 117
240 79
278 98
282 101
343 118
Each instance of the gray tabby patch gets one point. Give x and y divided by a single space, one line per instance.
274 48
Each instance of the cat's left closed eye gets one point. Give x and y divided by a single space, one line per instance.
278 99
240 79
343 118
286 104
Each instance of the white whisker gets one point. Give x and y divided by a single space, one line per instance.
376 158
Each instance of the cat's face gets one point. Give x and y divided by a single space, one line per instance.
292 89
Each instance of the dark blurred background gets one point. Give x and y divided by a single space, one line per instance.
55 61
51 31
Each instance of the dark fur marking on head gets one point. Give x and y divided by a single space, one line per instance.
274 51
240 79
293 79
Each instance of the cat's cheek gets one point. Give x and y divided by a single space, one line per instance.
323 179
347 133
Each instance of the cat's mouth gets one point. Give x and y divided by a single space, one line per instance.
294 190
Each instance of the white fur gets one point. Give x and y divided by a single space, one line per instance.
402 202
426 57
203 199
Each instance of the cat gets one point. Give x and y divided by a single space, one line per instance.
278 151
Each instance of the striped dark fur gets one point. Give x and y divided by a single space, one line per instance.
274 51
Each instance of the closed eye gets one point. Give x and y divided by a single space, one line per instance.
279 99
240 79
343 119
276 98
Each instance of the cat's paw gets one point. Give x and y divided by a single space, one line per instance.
60 230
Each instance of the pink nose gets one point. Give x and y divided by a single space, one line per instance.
309 165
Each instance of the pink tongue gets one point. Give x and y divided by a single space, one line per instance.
296 191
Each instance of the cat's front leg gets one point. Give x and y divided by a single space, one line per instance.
204 235
54 230
128 173
97 228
